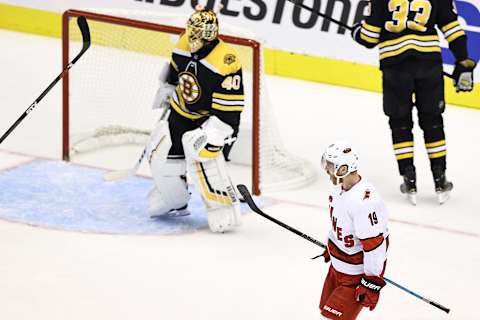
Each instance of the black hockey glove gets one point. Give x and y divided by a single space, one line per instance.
355 32
325 255
463 75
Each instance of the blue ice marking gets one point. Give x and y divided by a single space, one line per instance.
70 197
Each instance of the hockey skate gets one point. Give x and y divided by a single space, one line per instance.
442 186
180 212
409 186
158 209
174 213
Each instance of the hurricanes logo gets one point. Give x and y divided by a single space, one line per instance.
189 87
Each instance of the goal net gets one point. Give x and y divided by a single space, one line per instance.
107 97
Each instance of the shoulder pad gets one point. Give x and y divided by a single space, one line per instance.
223 59
182 44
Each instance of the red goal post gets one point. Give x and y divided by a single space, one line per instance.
107 96
255 46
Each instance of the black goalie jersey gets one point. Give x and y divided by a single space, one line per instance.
403 28
208 82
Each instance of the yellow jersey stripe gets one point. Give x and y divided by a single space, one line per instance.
408 37
455 35
179 110
437 154
228 96
226 108
371 28
369 39
450 25
409 47
174 65
403 144
435 144
404 156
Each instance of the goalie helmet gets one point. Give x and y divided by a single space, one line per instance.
337 155
202 26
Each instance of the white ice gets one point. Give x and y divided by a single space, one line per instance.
260 271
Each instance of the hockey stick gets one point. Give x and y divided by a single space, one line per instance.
83 25
126 173
299 3
248 198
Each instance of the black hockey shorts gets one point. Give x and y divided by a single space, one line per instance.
178 125
421 78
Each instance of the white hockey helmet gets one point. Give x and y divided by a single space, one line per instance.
338 154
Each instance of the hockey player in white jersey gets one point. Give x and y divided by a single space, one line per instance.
358 240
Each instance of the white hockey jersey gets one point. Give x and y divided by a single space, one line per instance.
358 240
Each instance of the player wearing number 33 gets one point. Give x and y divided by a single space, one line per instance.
358 240
411 63
202 86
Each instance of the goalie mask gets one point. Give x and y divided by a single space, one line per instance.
337 155
202 26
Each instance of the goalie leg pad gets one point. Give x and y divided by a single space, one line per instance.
160 143
213 183
170 191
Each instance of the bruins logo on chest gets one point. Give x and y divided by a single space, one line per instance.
189 87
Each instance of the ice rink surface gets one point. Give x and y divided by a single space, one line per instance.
259 271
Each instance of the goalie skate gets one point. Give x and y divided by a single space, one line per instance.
182 212
174 213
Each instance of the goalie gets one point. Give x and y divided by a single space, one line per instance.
203 87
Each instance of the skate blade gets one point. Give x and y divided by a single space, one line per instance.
412 198
178 213
170 214
442 197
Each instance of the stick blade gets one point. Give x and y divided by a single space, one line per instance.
247 196
117 175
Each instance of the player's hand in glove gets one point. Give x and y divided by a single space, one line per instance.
164 92
165 89
368 291
325 255
355 32
463 75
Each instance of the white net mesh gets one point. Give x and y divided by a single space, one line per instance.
112 88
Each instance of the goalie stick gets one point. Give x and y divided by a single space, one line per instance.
126 173
249 200
83 25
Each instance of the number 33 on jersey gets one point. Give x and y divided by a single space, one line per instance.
358 239
404 28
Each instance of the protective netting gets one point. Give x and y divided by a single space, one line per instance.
112 87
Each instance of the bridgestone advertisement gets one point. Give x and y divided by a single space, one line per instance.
282 25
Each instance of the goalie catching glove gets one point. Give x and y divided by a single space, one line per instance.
207 141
